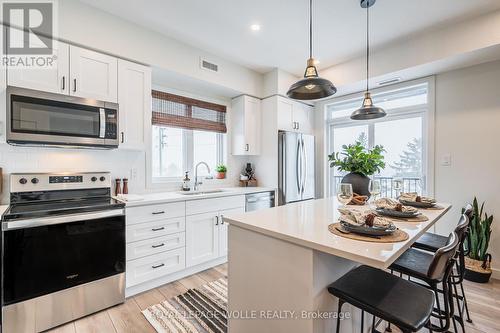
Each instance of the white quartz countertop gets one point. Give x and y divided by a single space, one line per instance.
175 196
306 223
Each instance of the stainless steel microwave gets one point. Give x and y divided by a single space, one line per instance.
38 118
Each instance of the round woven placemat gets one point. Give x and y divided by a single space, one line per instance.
419 218
395 237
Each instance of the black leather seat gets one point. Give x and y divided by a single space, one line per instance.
430 242
385 296
415 260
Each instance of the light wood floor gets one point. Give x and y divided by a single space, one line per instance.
484 305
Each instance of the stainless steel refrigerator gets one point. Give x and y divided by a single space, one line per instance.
295 167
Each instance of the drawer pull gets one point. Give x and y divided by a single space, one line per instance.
157 266
158 229
222 219
158 213
158 245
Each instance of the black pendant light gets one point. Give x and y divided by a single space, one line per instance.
368 110
311 86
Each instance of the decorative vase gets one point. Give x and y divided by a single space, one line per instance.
359 183
220 175
477 270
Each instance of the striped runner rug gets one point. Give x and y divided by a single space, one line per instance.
199 310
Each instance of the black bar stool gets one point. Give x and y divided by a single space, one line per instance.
431 242
386 296
423 266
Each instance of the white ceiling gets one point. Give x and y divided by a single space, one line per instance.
221 27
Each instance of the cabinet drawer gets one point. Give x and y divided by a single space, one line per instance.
155 245
154 212
142 231
155 266
214 205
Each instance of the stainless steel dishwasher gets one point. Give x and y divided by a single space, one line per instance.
261 200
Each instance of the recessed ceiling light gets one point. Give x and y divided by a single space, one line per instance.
255 27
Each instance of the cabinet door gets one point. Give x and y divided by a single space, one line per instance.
252 126
134 99
285 115
223 229
303 116
93 75
202 238
54 79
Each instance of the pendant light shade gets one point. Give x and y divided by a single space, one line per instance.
368 111
311 86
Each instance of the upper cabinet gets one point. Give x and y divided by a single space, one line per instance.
246 125
77 72
55 79
134 99
294 116
93 75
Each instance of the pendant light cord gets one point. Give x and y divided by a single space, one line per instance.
310 29
367 45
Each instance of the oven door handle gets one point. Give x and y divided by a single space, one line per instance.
52 220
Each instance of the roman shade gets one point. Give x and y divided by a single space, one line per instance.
182 112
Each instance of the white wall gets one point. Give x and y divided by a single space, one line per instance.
467 125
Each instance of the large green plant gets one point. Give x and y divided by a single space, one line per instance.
356 158
480 232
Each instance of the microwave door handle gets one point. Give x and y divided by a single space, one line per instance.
102 123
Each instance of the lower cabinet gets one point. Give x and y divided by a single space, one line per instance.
202 238
223 228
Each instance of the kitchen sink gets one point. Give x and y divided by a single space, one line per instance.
201 192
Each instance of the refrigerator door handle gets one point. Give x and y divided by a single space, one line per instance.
304 159
299 167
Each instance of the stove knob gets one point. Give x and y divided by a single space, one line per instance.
102 178
94 179
34 180
23 181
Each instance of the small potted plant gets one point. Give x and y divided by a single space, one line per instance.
360 163
221 170
478 260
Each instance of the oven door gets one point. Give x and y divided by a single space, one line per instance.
35 117
41 256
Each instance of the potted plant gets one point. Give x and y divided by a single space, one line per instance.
221 170
478 260
360 163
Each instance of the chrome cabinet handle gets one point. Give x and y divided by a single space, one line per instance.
158 229
247 147
158 245
298 125
63 83
222 219
74 85
123 137
216 220
158 213
157 266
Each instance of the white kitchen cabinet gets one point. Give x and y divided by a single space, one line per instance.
55 79
223 229
202 238
246 124
134 99
93 75
294 116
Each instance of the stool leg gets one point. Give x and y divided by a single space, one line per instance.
341 302
465 303
362 321
373 324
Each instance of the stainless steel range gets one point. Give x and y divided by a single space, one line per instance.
63 250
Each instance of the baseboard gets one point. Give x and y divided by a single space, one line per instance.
137 289
496 273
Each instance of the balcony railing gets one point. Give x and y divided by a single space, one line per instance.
409 184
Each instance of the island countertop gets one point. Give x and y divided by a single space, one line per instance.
306 224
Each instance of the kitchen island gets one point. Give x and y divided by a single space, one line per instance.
282 259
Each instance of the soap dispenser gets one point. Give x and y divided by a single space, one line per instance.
185 182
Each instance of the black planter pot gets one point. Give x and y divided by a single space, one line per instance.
359 183
478 277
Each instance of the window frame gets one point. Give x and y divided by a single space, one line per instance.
426 111
188 155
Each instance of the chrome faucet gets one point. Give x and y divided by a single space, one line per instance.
196 183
